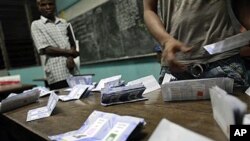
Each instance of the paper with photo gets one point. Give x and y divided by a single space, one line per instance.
122 94
169 131
76 92
227 109
149 82
102 82
101 126
45 111
82 79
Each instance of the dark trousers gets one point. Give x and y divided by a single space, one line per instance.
59 85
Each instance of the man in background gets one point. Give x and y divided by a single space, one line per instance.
185 26
50 35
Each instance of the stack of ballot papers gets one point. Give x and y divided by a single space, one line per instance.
76 80
194 89
113 81
45 111
169 131
227 109
19 100
43 91
76 92
101 126
123 94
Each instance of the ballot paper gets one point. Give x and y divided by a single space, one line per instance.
194 89
167 78
43 91
83 79
72 39
19 100
123 94
229 43
227 109
45 111
149 82
114 80
169 131
101 126
76 92
248 91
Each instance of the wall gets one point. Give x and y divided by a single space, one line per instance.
129 69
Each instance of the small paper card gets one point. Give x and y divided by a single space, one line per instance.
149 82
45 111
123 94
101 126
76 92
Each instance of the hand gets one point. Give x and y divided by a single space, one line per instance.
70 64
73 53
171 47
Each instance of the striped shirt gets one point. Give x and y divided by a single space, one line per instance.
46 33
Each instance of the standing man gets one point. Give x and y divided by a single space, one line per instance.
185 26
51 39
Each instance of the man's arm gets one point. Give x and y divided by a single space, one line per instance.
44 48
169 44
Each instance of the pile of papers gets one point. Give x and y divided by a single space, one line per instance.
194 89
227 109
19 100
76 80
123 94
101 126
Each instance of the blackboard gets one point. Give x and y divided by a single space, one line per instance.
112 31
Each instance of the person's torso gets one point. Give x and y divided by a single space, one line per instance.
197 23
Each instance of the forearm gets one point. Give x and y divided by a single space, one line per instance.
154 23
53 51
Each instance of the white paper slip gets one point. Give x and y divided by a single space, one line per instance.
227 109
102 82
229 43
76 92
82 79
248 91
149 82
246 120
45 111
169 131
167 78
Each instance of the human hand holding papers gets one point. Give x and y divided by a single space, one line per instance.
229 43
227 109
45 111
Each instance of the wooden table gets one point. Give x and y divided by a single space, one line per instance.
5 90
194 115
